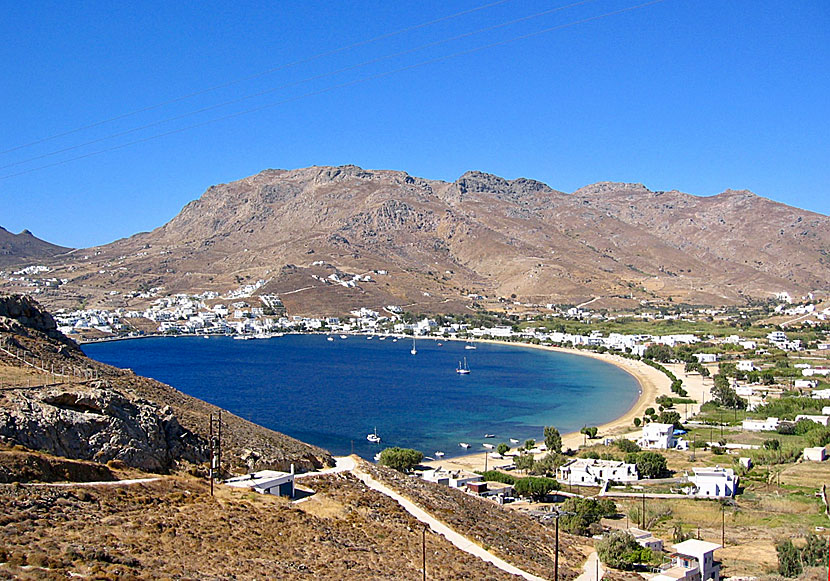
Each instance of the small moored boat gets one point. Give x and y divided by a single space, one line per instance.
373 437
464 445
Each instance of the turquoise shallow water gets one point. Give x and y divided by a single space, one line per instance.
332 393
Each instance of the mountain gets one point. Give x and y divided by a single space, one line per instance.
305 231
25 248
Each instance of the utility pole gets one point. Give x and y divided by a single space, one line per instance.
215 440
643 517
424 551
723 524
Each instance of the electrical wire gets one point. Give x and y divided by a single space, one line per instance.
342 85
372 61
257 75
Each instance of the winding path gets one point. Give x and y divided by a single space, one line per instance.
459 540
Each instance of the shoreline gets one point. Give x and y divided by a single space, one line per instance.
653 383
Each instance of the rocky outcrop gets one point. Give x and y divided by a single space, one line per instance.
99 423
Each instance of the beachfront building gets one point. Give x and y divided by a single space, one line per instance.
693 560
657 436
451 478
266 482
593 472
714 482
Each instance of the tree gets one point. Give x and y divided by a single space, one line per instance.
553 439
530 444
649 464
548 464
496 476
670 417
535 487
524 462
626 446
662 353
619 550
591 431
401 459
637 422
502 449
772 444
724 395
586 512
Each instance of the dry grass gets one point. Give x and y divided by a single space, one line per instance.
173 529
513 536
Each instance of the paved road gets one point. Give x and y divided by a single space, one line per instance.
590 569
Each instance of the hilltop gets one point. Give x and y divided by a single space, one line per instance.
437 242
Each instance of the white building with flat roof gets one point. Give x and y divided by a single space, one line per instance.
593 472
266 482
714 482
657 436
692 560
767 425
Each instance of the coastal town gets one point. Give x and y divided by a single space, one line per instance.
734 406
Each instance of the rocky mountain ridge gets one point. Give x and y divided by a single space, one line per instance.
482 234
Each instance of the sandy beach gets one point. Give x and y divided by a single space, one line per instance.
653 383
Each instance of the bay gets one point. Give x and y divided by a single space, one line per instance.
332 393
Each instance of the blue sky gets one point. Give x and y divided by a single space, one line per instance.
698 96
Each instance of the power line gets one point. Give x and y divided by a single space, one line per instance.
257 75
341 85
295 83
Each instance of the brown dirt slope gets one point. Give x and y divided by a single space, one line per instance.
173 528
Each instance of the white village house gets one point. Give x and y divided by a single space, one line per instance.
767 425
593 472
657 436
693 560
266 482
714 482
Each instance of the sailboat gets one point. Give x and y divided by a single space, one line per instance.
462 368
469 345
413 350
373 437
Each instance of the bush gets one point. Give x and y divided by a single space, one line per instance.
496 476
535 487
401 459
649 464
626 446
619 550
586 512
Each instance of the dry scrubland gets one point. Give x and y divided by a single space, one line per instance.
172 528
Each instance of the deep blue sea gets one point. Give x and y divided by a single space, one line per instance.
332 393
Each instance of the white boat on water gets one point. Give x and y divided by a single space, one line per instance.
439 454
243 337
489 435
343 336
514 441
464 445
329 338
377 457
469 345
370 337
489 446
413 350
373 437
462 368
